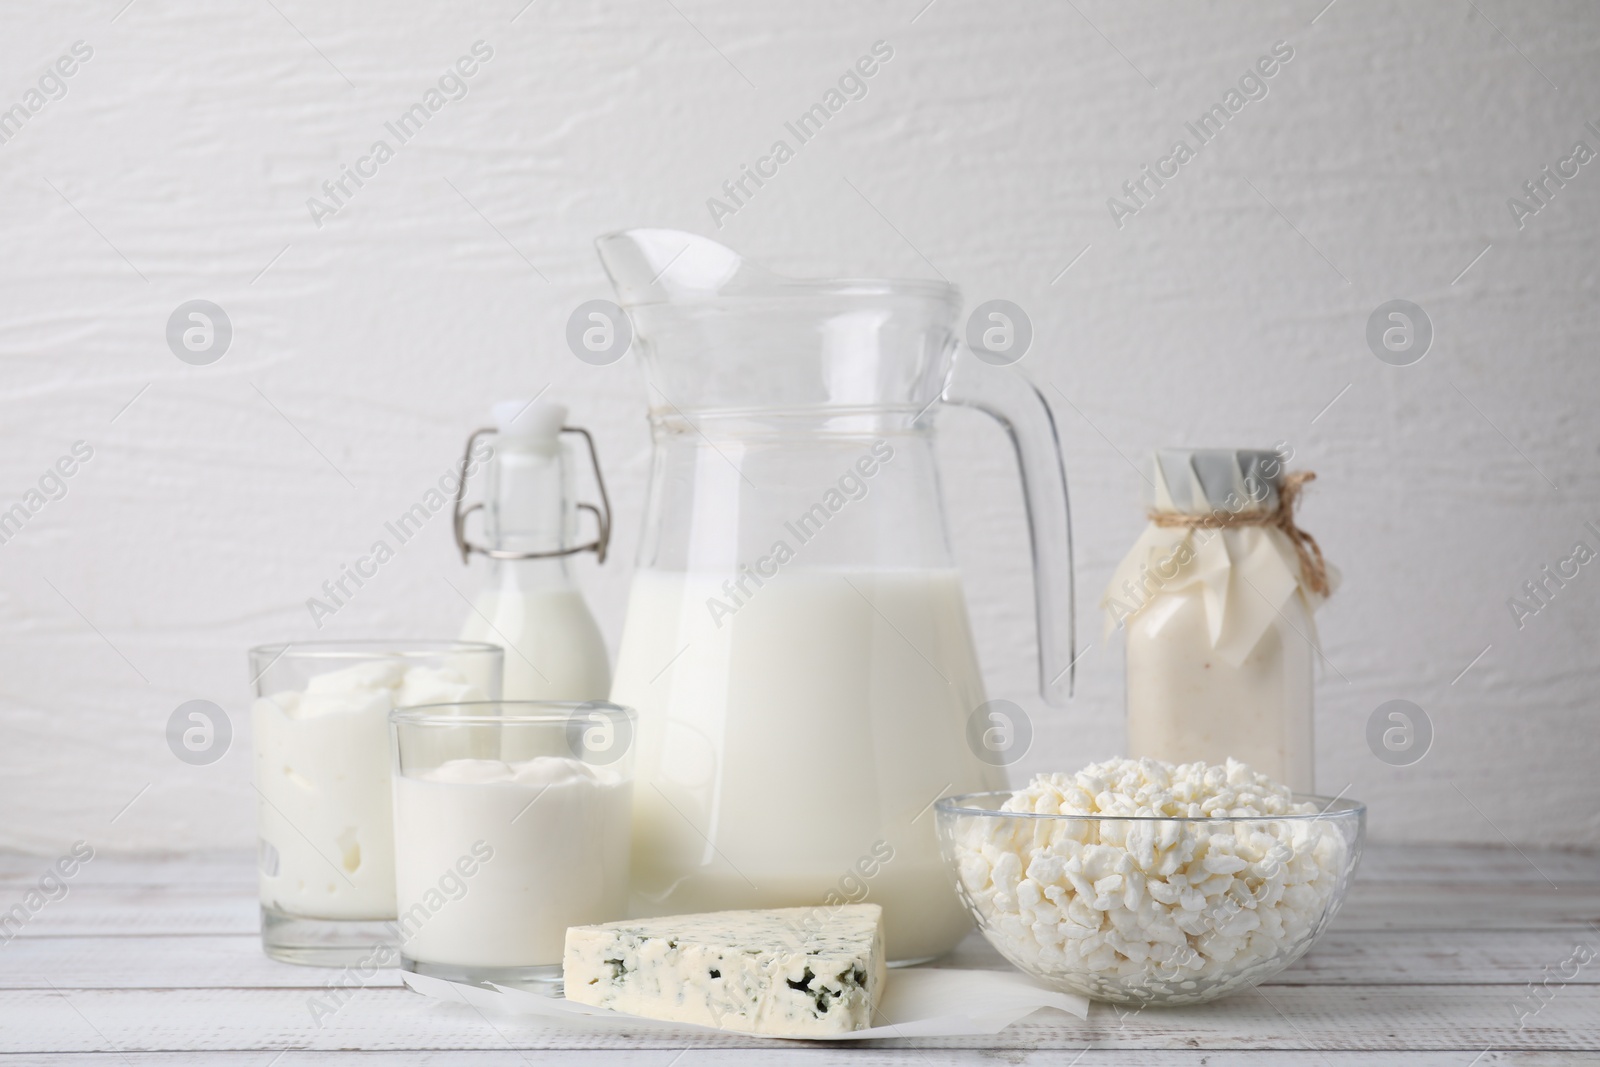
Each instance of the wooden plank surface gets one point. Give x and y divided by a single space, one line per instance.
185 907
156 959
696 1057
1396 1018
1343 957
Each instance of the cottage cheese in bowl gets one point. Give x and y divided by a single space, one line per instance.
1139 881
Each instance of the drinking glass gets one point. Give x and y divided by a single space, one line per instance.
320 733
511 824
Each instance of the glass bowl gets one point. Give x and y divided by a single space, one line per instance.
1150 910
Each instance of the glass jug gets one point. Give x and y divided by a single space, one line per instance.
796 641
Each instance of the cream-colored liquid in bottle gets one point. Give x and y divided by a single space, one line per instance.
1216 603
1187 703
833 704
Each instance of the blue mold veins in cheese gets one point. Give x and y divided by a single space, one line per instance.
791 972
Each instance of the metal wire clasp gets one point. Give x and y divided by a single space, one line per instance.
602 514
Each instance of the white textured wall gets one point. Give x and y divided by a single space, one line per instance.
1230 311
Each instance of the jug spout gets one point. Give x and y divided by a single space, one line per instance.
717 332
650 266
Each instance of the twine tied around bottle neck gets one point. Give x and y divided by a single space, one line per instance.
1313 568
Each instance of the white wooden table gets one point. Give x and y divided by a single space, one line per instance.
157 961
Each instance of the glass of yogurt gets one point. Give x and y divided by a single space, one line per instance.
320 727
512 822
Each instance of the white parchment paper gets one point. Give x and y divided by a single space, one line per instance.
917 1002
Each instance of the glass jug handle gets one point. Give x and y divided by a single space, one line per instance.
1012 401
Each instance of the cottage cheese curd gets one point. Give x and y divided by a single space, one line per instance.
1168 908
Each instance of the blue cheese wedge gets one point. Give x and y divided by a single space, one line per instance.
785 972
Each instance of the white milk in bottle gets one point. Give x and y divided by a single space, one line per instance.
531 606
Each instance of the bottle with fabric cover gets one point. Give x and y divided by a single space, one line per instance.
1216 599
